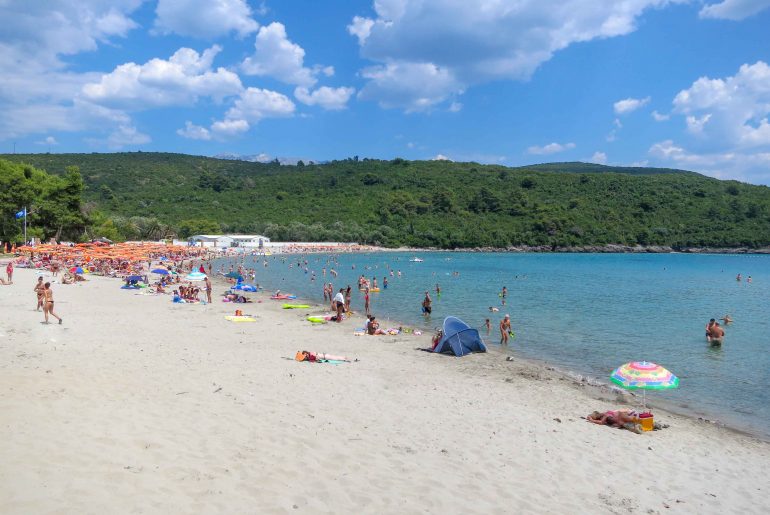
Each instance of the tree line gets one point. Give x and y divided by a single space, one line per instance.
392 203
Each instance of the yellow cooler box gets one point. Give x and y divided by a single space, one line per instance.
647 421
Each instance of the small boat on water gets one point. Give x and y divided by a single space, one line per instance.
416 260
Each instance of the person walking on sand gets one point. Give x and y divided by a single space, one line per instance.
39 289
9 272
505 329
48 306
366 302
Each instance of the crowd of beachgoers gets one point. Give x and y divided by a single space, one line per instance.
185 274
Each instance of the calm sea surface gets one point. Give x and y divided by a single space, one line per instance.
584 312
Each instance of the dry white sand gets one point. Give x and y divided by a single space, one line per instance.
138 405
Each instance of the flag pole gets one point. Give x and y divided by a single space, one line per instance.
25 225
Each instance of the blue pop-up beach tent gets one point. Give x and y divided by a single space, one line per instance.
459 338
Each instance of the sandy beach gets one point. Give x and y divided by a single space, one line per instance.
138 405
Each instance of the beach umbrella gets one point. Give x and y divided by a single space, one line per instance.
76 270
643 375
195 276
160 271
134 278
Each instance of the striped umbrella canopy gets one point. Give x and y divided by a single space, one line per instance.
644 375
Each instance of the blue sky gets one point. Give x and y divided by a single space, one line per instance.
676 83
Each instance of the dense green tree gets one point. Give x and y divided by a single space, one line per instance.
53 202
399 202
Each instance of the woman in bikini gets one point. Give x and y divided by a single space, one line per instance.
48 306
40 290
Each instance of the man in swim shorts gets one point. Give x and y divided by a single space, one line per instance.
426 304
505 328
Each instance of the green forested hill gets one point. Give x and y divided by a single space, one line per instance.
420 203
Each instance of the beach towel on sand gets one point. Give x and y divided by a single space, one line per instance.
233 318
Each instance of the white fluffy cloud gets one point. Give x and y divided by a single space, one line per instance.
50 140
255 104
732 111
440 157
192 131
629 105
36 89
126 135
734 9
278 57
750 167
180 80
658 117
204 18
411 86
727 125
325 97
551 148
456 43
695 125
230 127
599 158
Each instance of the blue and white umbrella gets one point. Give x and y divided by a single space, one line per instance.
195 276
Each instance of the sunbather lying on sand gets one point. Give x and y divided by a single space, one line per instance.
304 355
622 418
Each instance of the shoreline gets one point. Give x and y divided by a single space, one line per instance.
591 249
594 387
139 404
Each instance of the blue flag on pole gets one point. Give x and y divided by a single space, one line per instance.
22 213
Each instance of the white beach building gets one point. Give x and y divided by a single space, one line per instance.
226 241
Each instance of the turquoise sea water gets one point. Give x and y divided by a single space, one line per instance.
585 312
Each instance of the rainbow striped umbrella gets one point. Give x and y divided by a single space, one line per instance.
643 375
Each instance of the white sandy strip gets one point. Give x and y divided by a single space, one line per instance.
138 405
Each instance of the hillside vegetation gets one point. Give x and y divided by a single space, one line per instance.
418 203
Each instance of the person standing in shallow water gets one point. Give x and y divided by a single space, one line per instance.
505 329
426 304
48 306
